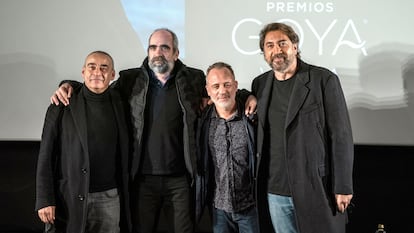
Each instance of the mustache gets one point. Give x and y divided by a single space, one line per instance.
279 55
96 77
222 96
159 58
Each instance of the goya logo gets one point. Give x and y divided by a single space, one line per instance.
147 15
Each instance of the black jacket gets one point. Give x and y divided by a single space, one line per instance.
205 176
63 164
133 86
318 144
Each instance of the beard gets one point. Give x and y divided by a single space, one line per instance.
226 103
280 65
159 65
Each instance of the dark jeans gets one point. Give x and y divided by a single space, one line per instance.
103 212
171 194
244 221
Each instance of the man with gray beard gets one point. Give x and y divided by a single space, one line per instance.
304 140
165 98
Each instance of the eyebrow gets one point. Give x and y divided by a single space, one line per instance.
228 82
161 45
278 41
94 64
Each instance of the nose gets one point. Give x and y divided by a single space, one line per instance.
158 50
222 89
277 49
97 71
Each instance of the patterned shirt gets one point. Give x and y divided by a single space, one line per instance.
228 143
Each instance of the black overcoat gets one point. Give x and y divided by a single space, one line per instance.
319 148
63 163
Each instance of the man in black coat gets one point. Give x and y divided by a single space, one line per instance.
304 140
82 170
165 99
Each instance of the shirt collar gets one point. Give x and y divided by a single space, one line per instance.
236 116
154 79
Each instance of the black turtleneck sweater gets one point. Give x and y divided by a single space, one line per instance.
102 140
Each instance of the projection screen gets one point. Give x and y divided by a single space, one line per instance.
369 44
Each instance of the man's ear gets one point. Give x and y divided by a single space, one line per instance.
113 75
83 72
177 53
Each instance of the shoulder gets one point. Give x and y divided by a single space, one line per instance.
261 79
262 76
194 70
131 73
54 112
316 70
129 78
191 73
191 76
53 108
185 70
317 74
326 77
321 71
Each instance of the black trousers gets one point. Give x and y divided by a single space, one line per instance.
170 195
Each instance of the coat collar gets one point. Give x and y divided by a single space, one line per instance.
77 107
299 93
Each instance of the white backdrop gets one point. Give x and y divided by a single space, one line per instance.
369 45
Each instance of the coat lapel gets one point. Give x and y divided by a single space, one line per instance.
77 105
299 93
263 103
117 106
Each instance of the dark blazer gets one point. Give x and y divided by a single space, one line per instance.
319 148
63 163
